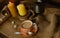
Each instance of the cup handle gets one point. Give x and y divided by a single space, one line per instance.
32 12
34 24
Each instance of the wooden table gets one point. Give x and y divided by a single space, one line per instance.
8 29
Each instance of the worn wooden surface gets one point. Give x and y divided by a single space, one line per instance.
46 30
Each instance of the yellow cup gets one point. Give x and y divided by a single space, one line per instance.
21 10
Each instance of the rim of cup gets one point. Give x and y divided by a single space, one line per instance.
27 21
